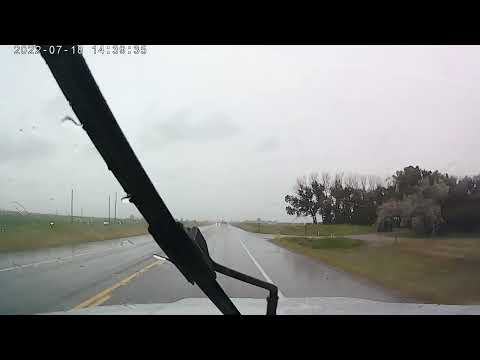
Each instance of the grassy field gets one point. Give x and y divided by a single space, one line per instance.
408 233
33 231
443 271
305 230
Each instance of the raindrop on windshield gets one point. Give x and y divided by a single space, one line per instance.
67 120
126 199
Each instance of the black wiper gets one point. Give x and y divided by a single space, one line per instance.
185 249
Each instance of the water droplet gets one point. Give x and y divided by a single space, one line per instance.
68 121
21 130
126 199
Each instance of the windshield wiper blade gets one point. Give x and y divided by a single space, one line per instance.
80 89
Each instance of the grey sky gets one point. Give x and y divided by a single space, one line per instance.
224 131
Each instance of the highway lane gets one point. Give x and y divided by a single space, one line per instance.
294 274
124 272
164 283
59 279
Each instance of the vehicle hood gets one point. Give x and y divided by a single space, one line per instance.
286 306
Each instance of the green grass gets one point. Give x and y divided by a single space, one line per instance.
306 230
33 231
444 272
325 243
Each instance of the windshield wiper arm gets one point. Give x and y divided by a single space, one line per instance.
80 89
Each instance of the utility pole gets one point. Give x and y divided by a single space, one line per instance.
71 208
115 212
109 209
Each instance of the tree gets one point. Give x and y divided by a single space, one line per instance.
327 206
374 182
304 201
424 200
461 208
326 181
320 194
363 183
352 181
327 211
338 194
407 179
420 207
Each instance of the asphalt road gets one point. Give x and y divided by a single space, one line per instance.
124 272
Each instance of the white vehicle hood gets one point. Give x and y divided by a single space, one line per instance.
286 306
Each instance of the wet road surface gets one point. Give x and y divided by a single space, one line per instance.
124 272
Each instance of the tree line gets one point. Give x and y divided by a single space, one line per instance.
336 199
423 200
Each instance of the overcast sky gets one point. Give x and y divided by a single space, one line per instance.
224 131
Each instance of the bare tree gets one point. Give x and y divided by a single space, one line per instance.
371 182
338 179
351 181
363 182
326 179
374 182
301 183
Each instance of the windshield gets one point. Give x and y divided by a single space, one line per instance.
329 171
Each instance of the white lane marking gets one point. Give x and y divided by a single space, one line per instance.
280 295
16 267
27 265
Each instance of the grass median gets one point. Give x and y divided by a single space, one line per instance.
430 271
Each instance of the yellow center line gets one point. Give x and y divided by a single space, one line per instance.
101 300
104 295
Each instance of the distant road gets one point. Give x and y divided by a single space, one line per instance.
123 271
